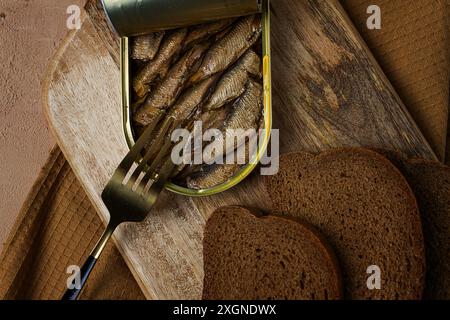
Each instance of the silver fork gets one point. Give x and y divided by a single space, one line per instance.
133 189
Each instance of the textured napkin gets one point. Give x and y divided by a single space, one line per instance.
447 156
58 226
57 223
412 48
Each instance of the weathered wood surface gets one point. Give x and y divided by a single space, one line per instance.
328 92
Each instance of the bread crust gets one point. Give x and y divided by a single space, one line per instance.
286 200
430 181
212 289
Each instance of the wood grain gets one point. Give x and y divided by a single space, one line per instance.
94 9
328 92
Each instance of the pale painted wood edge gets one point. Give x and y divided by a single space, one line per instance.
51 68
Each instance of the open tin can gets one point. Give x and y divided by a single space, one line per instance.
171 17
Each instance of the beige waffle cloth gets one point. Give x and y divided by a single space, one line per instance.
57 224
412 47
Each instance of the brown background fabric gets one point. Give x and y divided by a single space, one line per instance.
447 156
412 47
58 226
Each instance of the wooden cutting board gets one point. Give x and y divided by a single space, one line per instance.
328 91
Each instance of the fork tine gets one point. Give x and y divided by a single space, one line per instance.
158 159
136 150
155 151
156 163
164 174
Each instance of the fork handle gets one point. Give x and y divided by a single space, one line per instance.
72 294
88 266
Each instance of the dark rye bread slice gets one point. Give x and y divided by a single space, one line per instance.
261 258
430 181
365 208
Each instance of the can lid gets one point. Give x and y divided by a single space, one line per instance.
135 17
